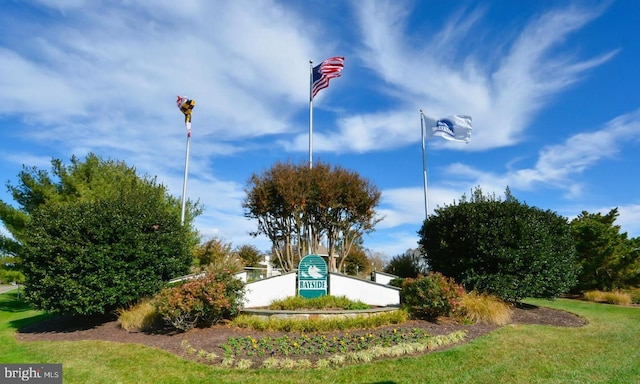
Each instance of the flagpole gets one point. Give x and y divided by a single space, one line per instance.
310 114
424 167
310 139
186 172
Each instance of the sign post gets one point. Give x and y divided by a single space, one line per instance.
312 277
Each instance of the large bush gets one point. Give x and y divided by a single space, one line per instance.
202 302
97 236
505 248
431 296
93 257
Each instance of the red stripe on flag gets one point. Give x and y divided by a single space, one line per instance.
327 70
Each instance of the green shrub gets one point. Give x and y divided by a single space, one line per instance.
201 302
480 308
322 302
92 257
431 296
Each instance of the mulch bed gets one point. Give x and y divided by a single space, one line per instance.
209 339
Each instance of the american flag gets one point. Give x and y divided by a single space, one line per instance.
328 69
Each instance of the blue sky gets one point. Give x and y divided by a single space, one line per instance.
552 87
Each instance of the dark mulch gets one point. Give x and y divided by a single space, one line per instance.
210 339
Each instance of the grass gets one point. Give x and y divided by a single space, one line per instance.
606 350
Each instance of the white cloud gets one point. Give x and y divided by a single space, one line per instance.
103 78
401 206
503 94
394 242
362 133
629 219
129 62
558 165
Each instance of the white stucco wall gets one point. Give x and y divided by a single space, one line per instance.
242 276
383 278
366 291
261 293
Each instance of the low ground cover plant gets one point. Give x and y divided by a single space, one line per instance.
321 325
323 302
319 344
322 351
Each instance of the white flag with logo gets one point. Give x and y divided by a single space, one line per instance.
454 128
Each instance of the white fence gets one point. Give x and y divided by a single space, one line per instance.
383 278
262 292
366 291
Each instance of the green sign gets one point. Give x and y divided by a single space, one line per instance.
312 277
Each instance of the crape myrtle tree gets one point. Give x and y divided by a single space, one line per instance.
94 236
501 247
608 259
297 206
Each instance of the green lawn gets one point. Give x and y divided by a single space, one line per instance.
605 351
